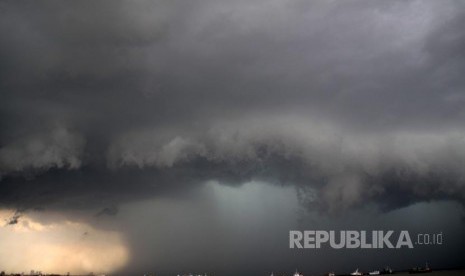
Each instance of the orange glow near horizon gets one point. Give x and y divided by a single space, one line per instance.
59 247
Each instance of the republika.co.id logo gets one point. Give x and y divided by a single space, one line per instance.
376 239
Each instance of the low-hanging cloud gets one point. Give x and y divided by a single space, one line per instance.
345 168
55 149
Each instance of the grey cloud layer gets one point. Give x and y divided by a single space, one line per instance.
346 168
352 100
55 149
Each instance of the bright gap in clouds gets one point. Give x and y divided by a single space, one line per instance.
59 247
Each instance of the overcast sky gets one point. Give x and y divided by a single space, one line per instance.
199 133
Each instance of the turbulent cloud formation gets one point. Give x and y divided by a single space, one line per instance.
347 167
56 149
171 137
350 101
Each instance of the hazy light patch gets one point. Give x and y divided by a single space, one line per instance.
59 247
253 202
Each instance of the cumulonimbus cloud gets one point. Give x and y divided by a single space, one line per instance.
348 102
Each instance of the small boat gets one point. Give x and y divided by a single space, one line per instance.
356 272
374 272
298 273
330 274
418 270
387 270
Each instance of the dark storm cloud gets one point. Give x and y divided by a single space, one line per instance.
354 101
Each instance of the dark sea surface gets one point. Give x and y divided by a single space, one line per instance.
438 273
435 273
